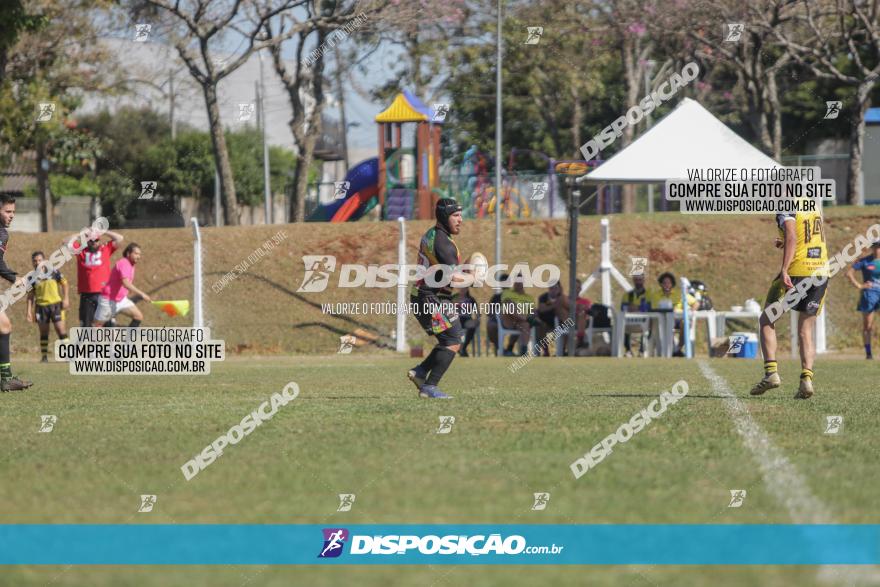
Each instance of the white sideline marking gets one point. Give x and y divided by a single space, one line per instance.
784 482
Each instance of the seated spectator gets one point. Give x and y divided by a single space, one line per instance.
582 312
635 300
491 321
700 291
517 313
549 304
467 314
668 297
600 317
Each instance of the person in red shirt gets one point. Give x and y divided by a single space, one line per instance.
92 271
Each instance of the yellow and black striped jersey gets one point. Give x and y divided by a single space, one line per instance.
48 288
810 253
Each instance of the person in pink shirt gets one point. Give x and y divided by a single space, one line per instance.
114 295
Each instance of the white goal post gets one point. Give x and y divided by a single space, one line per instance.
198 321
400 329
819 340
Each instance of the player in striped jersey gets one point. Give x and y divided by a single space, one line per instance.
47 302
434 307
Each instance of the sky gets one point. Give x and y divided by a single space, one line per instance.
154 62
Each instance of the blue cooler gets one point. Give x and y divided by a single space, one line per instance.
749 348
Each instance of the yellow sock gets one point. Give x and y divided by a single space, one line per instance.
807 374
769 367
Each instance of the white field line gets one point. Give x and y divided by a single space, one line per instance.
784 482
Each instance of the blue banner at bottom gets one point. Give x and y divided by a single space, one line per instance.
225 544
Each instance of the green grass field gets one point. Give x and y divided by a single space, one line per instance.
358 427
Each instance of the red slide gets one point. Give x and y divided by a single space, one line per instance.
353 203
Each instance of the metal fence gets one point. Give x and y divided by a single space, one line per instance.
534 194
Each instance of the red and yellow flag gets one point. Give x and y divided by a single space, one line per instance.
173 307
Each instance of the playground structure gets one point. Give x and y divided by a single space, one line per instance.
474 189
401 180
525 193
407 177
406 182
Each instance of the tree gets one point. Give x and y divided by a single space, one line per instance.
48 61
755 58
838 40
417 39
141 146
628 23
555 91
15 20
196 35
328 23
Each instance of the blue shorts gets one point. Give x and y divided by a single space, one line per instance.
869 301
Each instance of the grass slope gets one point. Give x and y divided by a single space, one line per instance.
260 311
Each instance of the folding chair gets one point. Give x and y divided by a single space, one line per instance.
505 332
475 341
640 326
562 339
599 322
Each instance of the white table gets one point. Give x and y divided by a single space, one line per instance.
716 323
711 318
663 326
722 317
658 326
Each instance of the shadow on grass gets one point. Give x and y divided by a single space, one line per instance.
299 298
650 395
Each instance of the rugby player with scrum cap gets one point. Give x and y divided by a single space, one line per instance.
433 304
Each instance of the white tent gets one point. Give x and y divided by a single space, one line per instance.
689 137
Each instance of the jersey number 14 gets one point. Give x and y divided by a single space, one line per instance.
812 229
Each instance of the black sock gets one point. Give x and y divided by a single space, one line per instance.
44 344
429 361
5 367
441 364
134 324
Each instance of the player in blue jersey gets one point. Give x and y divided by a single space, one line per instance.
869 301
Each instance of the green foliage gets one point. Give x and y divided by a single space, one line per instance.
281 164
127 134
35 68
15 20
117 193
246 157
61 185
74 152
183 167
137 146
543 83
